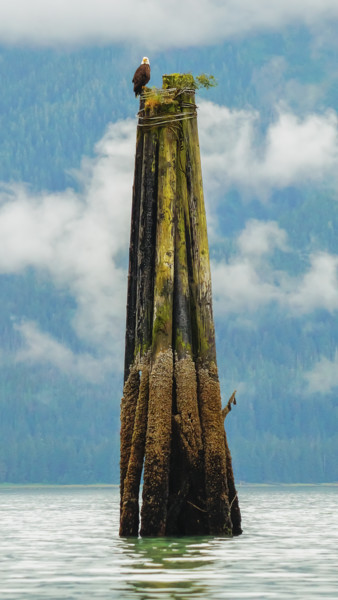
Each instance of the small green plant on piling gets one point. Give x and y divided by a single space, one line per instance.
206 81
155 97
188 81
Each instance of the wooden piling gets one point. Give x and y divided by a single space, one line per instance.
171 416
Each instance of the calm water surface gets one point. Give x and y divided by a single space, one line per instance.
63 543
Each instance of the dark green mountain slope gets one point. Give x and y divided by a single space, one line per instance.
54 107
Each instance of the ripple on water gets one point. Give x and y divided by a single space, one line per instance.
63 543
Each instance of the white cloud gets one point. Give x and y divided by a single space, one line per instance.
248 280
323 378
40 347
318 287
260 238
77 239
293 151
300 149
151 23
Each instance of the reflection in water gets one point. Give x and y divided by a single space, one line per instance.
171 566
63 543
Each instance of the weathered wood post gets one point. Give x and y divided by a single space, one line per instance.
172 424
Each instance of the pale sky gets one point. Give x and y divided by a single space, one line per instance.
154 24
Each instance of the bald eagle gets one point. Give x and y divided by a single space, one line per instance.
142 76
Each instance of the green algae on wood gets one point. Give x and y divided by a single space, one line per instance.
164 243
171 417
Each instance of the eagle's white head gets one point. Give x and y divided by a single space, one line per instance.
145 61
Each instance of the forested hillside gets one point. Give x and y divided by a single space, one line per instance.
273 246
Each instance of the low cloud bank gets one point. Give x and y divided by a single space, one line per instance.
248 280
154 25
79 241
323 378
294 151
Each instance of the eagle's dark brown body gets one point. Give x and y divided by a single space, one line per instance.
141 77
